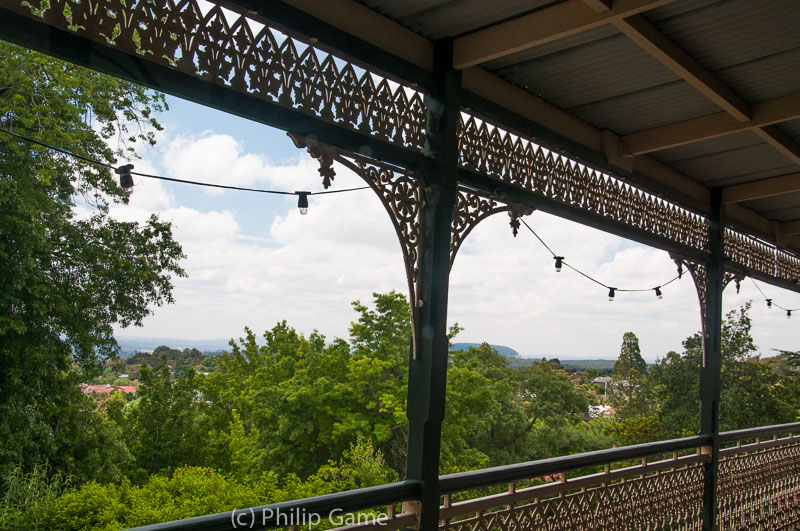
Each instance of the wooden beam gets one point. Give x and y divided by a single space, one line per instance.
783 184
781 142
539 27
711 126
515 100
600 6
649 38
496 89
790 228
370 26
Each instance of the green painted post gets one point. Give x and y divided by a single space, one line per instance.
710 371
427 380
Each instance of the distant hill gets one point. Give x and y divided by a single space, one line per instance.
508 352
130 346
514 359
588 364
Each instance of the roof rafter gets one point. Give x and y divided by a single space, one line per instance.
539 27
650 39
790 228
780 141
711 126
783 184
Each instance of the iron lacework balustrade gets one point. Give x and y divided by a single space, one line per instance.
648 486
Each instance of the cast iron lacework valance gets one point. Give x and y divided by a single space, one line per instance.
244 53
493 151
500 154
756 256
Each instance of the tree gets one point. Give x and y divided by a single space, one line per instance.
162 425
630 362
753 392
628 391
67 278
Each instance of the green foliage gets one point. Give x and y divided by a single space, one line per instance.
753 393
67 279
189 491
629 391
163 427
27 497
634 430
630 363
308 401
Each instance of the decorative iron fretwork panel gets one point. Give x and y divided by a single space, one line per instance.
700 277
668 499
509 158
760 490
470 209
755 255
402 196
245 54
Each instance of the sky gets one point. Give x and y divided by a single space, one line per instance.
252 259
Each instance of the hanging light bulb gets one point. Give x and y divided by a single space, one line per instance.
559 262
611 292
769 303
302 202
125 178
788 314
658 292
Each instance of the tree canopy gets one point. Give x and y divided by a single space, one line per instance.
70 270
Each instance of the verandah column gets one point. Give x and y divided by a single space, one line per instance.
712 356
428 371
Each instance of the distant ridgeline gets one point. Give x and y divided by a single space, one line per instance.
214 347
130 346
515 360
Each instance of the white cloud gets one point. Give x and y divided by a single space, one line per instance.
503 289
221 159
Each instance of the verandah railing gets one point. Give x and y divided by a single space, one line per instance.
759 478
648 486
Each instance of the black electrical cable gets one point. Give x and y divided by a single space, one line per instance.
279 192
589 276
775 304
564 262
171 179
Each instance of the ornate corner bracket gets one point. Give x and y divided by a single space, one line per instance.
699 274
322 153
470 209
402 194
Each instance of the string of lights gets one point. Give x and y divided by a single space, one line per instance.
771 303
560 261
126 174
612 291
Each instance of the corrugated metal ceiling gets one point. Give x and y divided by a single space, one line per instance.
735 165
605 79
436 19
780 207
